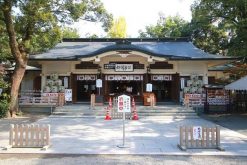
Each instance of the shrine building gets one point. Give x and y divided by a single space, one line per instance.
124 66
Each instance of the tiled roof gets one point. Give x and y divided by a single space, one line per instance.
174 49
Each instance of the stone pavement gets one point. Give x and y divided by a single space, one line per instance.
149 135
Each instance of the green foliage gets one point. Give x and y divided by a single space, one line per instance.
118 29
4 46
4 106
38 24
70 33
221 25
33 26
167 27
4 97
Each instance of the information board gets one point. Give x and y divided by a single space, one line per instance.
124 103
149 87
197 132
68 94
99 83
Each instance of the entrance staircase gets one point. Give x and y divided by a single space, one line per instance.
161 111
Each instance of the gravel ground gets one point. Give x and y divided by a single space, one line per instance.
6 159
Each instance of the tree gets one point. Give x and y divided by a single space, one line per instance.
118 29
70 33
167 27
220 26
224 22
4 46
32 26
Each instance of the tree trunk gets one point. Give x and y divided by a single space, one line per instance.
19 54
15 86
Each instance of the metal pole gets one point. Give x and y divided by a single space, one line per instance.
123 145
123 129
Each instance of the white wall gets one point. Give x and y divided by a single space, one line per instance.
186 68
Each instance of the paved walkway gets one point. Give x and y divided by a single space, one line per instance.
150 135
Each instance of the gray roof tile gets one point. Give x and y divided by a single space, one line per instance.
173 49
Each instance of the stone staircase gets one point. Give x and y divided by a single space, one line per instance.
161 111
75 110
174 111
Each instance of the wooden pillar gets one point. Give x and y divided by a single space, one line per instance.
73 79
175 87
105 87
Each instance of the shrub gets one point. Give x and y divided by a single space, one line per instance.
4 106
4 97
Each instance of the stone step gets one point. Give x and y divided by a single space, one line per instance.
165 111
71 116
170 117
167 114
173 111
140 117
139 112
82 112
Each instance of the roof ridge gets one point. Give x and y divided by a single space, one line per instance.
177 39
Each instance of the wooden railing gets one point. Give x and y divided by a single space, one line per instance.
29 136
205 138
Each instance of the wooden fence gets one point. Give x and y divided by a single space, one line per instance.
29 136
208 138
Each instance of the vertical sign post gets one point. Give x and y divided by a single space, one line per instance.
124 106
99 84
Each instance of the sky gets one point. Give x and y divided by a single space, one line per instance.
138 14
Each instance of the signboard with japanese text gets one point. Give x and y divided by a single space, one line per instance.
50 94
99 83
149 87
197 133
124 103
68 94
124 68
